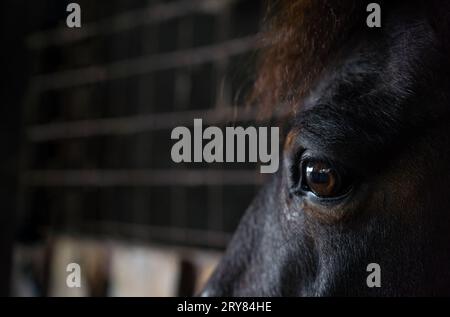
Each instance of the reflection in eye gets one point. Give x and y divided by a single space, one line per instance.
323 179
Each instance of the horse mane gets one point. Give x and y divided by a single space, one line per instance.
302 36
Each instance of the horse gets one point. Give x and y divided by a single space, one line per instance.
365 165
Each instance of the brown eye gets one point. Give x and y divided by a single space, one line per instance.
322 179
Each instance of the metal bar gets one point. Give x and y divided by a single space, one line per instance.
143 145
194 236
182 95
223 90
134 124
143 177
142 65
183 84
125 21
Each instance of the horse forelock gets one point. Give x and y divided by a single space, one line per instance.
302 37
299 41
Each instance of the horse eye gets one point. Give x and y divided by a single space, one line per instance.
323 179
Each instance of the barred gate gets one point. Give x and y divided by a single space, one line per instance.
100 107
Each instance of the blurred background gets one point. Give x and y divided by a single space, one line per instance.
86 119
